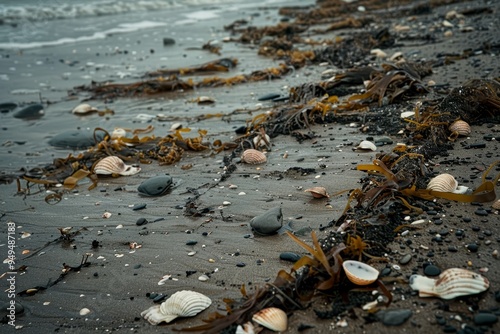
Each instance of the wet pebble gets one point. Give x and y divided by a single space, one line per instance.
485 318
168 41
472 247
33 111
7 107
452 249
159 298
268 223
191 242
394 317
290 256
270 96
76 139
432 270
141 221
155 186
139 206
481 212
240 264
405 259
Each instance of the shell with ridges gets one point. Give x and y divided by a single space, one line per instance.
460 127
451 283
253 157
318 192
272 318
83 109
183 303
360 273
114 165
443 183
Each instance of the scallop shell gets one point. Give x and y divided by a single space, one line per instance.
83 109
183 303
114 165
318 192
460 127
253 157
444 183
451 283
366 145
272 318
360 273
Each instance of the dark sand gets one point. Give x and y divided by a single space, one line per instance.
115 285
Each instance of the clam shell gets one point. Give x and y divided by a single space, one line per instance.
443 183
253 157
460 127
272 318
366 145
451 283
318 192
360 273
114 165
83 109
183 303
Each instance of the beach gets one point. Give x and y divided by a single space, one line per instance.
94 259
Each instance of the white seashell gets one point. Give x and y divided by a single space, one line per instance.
407 114
366 145
445 183
262 141
378 53
181 304
253 157
118 133
84 311
272 318
175 127
318 192
397 56
83 109
451 283
205 100
360 273
114 165
247 328
460 127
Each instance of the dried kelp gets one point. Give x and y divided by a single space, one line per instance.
219 65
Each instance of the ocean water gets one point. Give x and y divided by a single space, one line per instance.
48 47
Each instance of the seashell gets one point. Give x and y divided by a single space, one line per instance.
496 205
247 328
267 223
205 100
253 157
83 109
360 273
118 133
272 318
451 283
84 311
114 165
262 141
460 127
183 303
407 114
155 186
378 53
445 183
366 145
318 192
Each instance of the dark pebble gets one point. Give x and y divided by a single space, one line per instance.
30 112
204 234
240 264
459 233
405 259
159 298
155 186
452 249
485 319
137 266
449 329
168 41
141 221
246 236
270 96
472 247
497 296
152 295
289 256
467 219
481 212
139 206
385 272
432 270
488 137
191 242
431 212
159 219
477 145
394 317
438 222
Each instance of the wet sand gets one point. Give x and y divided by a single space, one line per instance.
115 285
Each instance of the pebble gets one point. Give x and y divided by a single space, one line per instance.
290 256
405 259
452 249
139 206
432 270
481 212
33 111
203 278
270 96
141 221
268 223
191 242
155 186
472 247
168 41
394 317
485 318
240 264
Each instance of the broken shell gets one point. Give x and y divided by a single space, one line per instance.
318 192
181 304
253 157
451 283
360 273
262 141
118 133
114 165
460 127
272 318
407 114
247 328
366 145
446 183
83 109
205 100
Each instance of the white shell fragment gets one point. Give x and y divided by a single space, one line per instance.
247 328
114 165
272 318
446 183
84 311
451 283
253 157
181 304
360 273
407 114
366 145
83 109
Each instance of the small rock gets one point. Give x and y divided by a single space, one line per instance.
168 41
394 317
290 256
405 259
485 319
432 270
141 221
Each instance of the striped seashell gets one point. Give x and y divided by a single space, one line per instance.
272 318
451 283
360 273
446 183
183 303
460 127
253 157
114 166
83 109
318 192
